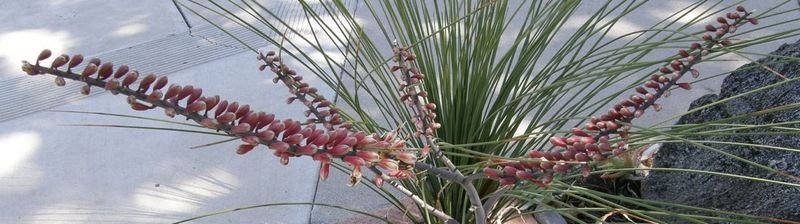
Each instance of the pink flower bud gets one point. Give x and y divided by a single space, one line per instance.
491 173
430 106
284 157
509 170
507 181
250 139
546 165
561 168
226 117
368 156
240 128
711 28
185 91
172 91
293 139
388 164
322 140
89 70
95 61
129 79
339 150
558 141
161 82
324 170
536 154
206 122
579 132
139 106
154 96
242 110
406 157
306 150
753 21
266 135
279 146
196 107
581 157
195 94
245 148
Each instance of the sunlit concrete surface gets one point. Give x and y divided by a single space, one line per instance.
54 173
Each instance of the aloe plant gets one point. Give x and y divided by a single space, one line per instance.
462 79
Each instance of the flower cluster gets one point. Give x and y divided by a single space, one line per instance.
413 94
286 138
594 142
303 92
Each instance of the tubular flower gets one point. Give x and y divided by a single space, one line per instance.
594 143
286 138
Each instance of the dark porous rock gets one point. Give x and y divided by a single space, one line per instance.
735 194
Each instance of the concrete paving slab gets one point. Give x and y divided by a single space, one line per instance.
89 27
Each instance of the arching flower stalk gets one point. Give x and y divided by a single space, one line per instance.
286 138
323 111
605 137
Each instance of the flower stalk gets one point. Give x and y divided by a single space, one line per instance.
594 143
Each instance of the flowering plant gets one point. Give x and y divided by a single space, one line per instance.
454 151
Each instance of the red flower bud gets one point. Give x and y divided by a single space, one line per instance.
144 85
105 70
161 82
89 70
185 91
121 70
75 60
129 79
44 55
58 62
